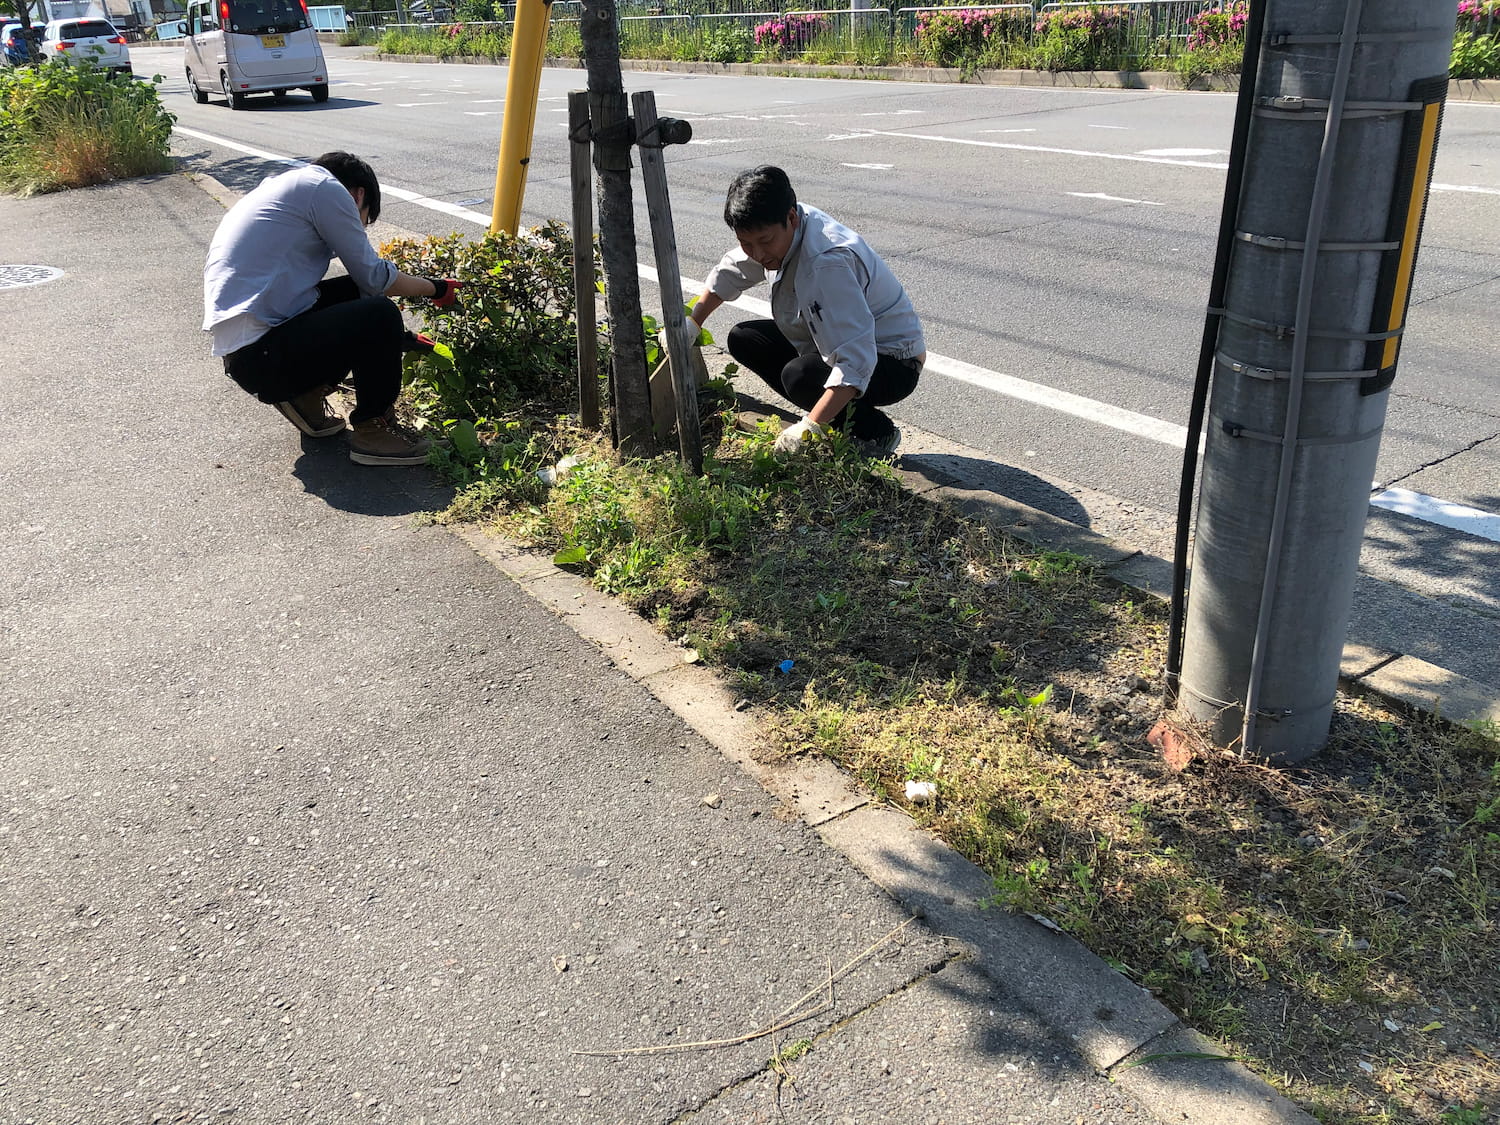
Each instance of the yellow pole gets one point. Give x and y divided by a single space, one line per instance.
528 46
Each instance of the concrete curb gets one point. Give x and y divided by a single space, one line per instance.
1459 90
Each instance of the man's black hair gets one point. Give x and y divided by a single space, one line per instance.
761 197
353 172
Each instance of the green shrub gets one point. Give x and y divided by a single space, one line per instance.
66 126
475 11
1080 39
733 44
1475 56
970 38
352 37
1216 44
564 40
511 332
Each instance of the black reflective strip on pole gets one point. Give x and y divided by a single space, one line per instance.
1228 216
1408 212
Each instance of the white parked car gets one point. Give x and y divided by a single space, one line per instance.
85 41
241 47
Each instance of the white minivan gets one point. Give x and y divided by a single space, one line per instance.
241 47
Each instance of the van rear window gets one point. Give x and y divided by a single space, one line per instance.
89 29
256 17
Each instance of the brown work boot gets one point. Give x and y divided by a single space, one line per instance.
379 441
309 413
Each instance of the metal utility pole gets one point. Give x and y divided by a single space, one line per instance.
1341 143
613 138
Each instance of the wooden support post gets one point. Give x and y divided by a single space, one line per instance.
609 113
583 260
669 277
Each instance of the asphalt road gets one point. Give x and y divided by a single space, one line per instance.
1061 239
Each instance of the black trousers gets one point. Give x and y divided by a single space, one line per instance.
343 333
761 346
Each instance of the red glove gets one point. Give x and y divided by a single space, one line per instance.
446 291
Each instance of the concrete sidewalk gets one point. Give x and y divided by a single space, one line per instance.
308 812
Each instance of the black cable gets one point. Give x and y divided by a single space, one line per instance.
1233 184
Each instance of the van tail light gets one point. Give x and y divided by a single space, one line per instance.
304 8
224 12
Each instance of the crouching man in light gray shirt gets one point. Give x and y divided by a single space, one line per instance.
844 339
286 335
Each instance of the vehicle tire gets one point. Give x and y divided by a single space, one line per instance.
319 93
279 95
236 101
199 96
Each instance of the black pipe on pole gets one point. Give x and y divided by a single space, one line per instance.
1233 184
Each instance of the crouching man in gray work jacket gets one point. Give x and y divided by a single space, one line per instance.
287 335
844 336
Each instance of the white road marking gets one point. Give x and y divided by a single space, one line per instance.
1108 127
483 112
1114 198
1471 521
424 105
1444 513
1466 187
1034 148
1141 158
872 167
1180 152
714 141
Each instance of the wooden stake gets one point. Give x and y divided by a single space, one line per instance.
669 277
583 259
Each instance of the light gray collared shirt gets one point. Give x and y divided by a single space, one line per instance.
272 249
833 295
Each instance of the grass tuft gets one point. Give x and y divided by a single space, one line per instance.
68 126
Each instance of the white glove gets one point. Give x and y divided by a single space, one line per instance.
795 436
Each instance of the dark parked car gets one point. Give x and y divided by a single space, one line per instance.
13 43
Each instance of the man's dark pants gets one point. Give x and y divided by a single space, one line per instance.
343 333
761 346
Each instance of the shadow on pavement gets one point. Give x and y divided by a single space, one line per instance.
1007 480
326 472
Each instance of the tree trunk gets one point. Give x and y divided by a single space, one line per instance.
617 248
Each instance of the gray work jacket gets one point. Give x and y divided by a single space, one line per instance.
833 295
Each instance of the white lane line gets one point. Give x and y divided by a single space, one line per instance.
1180 152
1130 156
440 205
1444 513
1466 187
872 167
1109 127
483 112
1137 157
1114 198
411 105
1472 521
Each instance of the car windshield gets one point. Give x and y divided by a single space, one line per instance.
257 17
90 29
